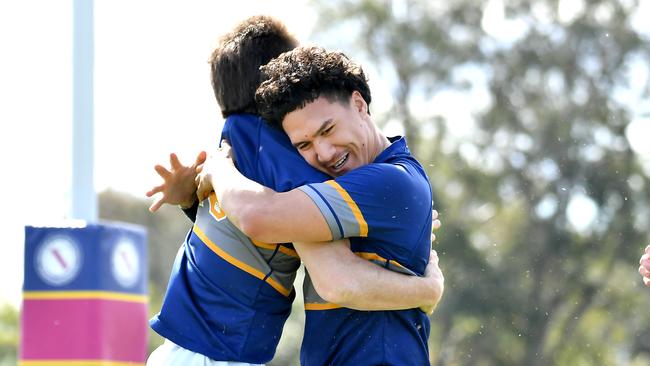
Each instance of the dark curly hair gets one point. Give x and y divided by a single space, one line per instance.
300 76
236 61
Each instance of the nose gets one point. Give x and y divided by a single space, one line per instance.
324 151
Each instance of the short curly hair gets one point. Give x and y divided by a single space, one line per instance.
300 76
235 62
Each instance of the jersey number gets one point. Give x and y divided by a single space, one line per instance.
215 209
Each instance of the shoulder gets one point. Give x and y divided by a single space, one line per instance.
242 132
386 175
238 125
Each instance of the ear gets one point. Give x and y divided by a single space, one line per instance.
359 103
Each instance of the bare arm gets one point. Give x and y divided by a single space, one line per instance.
258 211
343 278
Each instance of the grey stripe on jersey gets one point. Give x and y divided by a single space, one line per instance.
309 291
225 235
333 207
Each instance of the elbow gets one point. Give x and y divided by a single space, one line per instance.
333 295
334 291
248 221
253 221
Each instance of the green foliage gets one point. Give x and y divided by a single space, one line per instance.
525 284
8 335
166 230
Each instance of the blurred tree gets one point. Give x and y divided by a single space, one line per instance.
8 335
545 205
166 230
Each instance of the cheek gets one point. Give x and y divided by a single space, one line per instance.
307 155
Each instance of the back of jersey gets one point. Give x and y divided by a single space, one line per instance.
229 296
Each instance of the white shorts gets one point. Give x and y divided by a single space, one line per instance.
170 354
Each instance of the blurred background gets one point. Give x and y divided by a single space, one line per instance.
532 119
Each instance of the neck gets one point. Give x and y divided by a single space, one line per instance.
378 143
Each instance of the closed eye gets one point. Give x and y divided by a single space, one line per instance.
327 130
303 145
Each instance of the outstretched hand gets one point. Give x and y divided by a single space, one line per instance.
179 185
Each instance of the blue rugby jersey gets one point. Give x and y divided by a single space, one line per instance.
228 297
385 210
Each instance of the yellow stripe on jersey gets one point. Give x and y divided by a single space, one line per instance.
375 256
100 295
77 363
363 225
239 264
317 306
283 249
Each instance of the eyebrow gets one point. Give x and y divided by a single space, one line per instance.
322 127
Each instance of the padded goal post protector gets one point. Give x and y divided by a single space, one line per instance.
84 295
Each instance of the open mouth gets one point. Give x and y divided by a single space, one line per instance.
341 161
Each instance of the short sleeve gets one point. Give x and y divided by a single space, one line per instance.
379 197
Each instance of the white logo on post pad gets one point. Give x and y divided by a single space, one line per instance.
125 263
58 260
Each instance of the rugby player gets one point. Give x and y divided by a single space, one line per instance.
380 198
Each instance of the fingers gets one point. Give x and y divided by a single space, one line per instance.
156 205
644 268
433 262
435 224
203 188
155 190
643 271
433 257
644 262
174 162
200 159
162 171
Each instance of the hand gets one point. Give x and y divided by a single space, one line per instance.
435 225
178 184
434 274
214 164
644 268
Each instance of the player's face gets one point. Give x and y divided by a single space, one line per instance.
334 137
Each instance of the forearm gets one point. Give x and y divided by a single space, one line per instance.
343 278
264 214
375 288
239 196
